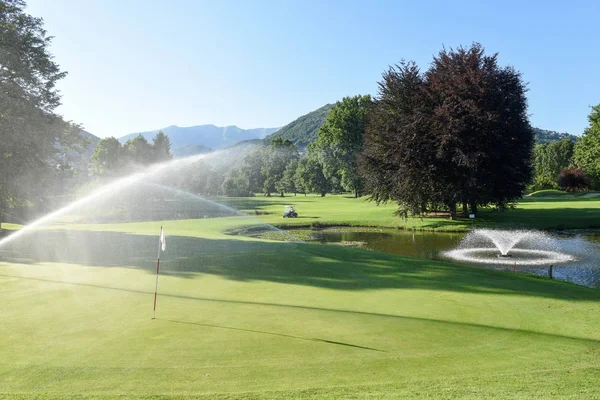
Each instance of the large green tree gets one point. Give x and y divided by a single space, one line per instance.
309 174
457 134
341 140
236 184
161 145
288 180
108 156
548 161
31 131
139 151
276 158
252 167
587 149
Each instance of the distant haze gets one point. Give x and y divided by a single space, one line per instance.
214 137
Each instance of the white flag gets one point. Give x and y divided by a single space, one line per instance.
163 240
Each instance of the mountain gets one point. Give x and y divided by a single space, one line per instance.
543 136
214 137
190 150
303 130
186 141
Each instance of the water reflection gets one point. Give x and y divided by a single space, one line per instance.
584 247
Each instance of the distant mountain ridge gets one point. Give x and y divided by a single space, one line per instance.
543 136
190 150
211 136
186 141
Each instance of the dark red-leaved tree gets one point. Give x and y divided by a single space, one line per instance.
573 180
457 134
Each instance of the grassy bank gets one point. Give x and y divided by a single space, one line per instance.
255 319
563 194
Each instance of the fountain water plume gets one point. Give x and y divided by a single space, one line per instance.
524 248
504 242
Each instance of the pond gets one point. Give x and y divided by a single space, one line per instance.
582 269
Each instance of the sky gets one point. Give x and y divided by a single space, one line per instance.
138 65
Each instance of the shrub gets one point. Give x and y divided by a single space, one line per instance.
572 180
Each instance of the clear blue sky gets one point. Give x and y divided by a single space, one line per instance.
138 65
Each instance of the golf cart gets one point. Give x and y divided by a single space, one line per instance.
289 212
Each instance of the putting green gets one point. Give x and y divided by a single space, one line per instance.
248 318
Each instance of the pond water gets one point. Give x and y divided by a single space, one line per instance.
584 249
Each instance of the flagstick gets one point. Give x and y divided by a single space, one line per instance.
157 268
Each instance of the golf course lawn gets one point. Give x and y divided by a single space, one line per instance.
534 212
243 318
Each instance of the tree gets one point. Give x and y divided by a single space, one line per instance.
214 183
399 157
139 151
548 161
456 134
31 132
253 170
276 157
341 140
108 156
191 178
161 144
572 180
587 149
309 174
288 181
236 184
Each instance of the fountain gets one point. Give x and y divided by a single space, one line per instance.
523 247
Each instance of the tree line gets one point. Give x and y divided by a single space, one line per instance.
569 165
110 157
328 165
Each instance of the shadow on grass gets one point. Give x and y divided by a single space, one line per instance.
273 334
309 308
331 267
552 218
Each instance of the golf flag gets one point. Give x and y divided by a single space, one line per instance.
163 241
162 245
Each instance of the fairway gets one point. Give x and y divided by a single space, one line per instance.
258 319
332 210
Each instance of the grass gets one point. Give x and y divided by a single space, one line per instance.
560 193
536 212
243 318
548 193
345 210
332 210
